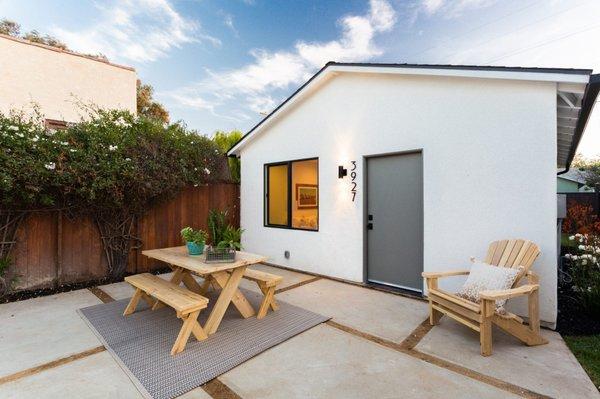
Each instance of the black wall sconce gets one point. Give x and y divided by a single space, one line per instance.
342 172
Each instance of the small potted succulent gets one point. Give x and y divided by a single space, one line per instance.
194 240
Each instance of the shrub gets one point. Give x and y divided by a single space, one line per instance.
585 271
112 165
225 141
28 156
581 219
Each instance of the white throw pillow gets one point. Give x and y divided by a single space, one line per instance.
483 277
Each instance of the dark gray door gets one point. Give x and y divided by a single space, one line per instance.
395 220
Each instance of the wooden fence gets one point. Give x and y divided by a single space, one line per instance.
51 249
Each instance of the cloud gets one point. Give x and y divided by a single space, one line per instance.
273 71
452 8
136 30
228 21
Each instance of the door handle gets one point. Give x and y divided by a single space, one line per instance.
369 226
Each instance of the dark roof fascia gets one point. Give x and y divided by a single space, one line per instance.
276 109
587 105
571 71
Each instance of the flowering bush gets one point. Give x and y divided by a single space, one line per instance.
112 165
27 157
585 270
113 160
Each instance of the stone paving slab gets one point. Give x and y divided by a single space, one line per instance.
96 376
118 291
325 362
40 330
547 369
385 315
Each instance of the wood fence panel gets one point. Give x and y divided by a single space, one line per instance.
52 249
161 228
34 254
82 256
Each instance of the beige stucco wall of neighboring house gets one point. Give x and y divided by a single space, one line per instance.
57 80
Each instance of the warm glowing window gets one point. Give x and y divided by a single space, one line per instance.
292 194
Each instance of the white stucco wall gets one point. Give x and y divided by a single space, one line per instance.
489 161
56 81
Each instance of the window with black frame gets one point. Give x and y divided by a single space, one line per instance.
292 194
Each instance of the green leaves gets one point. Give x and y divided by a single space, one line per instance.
232 238
112 160
225 141
196 236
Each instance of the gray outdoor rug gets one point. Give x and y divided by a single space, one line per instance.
141 342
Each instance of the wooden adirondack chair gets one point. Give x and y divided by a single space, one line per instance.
481 316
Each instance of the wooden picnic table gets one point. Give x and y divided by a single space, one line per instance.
226 275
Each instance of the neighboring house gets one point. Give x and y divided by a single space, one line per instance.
373 173
57 80
571 182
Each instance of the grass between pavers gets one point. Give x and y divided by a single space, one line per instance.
587 350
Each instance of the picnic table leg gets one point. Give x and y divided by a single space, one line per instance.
205 285
239 300
191 284
266 303
133 302
189 326
226 296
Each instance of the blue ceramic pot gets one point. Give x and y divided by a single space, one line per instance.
195 249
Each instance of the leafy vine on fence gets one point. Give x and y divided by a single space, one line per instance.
111 165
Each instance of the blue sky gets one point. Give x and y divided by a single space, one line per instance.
219 64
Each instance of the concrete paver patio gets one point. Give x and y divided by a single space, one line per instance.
43 346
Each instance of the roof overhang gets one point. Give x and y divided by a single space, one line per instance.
574 107
576 93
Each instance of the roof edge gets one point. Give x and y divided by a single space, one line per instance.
68 52
572 71
589 100
564 71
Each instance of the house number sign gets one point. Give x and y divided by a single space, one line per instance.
353 180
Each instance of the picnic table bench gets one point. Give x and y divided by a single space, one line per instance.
186 304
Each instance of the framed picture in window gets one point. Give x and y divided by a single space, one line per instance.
307 196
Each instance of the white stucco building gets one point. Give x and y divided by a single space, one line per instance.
56 80
440 161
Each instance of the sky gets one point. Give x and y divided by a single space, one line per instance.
223 64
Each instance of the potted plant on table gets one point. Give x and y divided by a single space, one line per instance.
194 240
224 250
232 238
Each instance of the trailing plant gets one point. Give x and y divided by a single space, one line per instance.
217 223
196 236
584 262
232 238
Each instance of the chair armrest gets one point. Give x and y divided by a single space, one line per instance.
494 295
445 274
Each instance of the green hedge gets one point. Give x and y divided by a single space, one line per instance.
112 160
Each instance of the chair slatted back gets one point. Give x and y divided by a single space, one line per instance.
513 253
